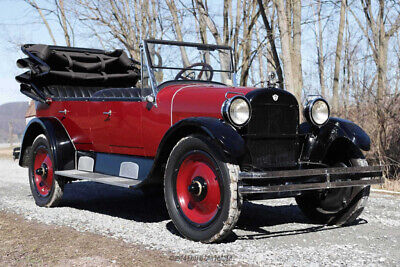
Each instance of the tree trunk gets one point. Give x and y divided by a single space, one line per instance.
64 24
296 49
271 40
174 12
320 50
338 56
285 37
39 10
260 57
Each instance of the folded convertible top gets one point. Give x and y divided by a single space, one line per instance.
59 65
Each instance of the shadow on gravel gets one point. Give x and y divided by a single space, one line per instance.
172 229
115 201
256 216
134 205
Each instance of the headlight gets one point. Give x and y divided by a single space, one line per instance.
317 111
236 110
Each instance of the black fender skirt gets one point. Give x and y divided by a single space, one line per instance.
60 143
319 140
227 139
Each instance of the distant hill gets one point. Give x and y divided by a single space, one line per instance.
15 113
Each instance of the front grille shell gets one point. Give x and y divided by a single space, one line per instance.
271 135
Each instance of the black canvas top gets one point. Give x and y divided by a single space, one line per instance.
59 65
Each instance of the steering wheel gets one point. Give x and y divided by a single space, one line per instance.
205 67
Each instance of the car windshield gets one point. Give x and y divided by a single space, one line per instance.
170 60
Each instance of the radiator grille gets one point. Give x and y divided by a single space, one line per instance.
272 135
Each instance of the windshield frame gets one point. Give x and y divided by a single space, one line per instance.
146 59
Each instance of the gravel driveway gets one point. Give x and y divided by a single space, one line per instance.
268 232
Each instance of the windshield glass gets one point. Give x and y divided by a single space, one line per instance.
168 61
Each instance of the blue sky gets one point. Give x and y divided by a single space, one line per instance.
18 25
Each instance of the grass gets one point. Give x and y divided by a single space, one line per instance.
6 152
391 185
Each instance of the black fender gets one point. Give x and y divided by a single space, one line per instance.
228 142
336 136
61 145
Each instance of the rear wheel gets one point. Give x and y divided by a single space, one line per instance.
46 188
201 191
338 206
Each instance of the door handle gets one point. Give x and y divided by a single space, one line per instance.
107 113
63 111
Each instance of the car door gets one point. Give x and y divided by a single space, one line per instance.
74 116
99 122
124 127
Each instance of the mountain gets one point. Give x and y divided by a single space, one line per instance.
13 112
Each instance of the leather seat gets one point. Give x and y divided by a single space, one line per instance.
117 93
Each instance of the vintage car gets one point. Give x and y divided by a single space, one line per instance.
177 121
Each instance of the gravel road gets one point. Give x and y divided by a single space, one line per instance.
268 232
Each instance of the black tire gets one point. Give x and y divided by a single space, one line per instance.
229 206
44 195
340 206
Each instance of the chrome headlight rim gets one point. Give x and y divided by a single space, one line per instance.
309 108
225 110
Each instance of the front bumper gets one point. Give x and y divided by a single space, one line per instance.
308 179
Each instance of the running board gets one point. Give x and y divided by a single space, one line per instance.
99 178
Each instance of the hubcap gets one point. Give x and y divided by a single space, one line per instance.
43 172
198 189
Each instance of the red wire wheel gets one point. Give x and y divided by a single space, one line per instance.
197 188
43 171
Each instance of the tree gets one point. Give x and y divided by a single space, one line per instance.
178 30
289 24
244 23
33 4
58 10
128 21
320 47
338 56
378 39
271 40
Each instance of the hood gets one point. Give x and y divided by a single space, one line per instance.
202 100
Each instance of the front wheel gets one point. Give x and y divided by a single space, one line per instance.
46 188
338 206
201 191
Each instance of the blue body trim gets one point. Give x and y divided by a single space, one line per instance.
110 164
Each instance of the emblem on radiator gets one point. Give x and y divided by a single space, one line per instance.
275 97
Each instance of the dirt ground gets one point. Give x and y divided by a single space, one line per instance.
25 243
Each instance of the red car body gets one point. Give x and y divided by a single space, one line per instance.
133 128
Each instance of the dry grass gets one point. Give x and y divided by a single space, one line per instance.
387 130
391 185
6 152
